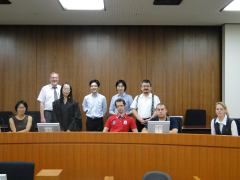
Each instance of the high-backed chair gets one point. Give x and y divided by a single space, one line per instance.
36 119
237 120
156 175
4 120
17 170
195 117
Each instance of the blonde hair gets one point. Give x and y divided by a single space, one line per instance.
224 107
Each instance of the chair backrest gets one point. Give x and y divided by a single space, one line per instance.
195 117
237 120
4 119
156 175
17 170
179 120
35 119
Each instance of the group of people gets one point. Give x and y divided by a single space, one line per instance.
126 114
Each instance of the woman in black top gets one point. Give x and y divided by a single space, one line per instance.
66 111
20 122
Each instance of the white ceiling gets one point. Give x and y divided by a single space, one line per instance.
119 12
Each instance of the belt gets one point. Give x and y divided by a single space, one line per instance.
48 110
94 117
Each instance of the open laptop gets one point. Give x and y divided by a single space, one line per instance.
48 127
158 126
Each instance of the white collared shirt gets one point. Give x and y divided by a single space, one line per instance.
144 105
224 123
94 105
46 96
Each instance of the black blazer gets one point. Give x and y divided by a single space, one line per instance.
68 115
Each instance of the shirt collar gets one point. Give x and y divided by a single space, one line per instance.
167 119
51 86
121 116
149 95
224 121
94 95
121 95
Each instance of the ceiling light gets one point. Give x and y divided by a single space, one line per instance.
233 6
82 4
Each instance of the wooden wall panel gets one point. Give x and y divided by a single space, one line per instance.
18 67
184 63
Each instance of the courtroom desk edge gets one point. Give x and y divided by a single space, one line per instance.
119 138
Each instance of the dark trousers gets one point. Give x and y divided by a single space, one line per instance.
140 126
94 124
48 116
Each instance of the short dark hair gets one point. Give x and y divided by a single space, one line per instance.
120 100
19 103
123 83
146 81
94 81
162 104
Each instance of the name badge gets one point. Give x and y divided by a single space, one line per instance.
125 122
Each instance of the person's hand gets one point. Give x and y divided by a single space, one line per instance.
146 120
144 130
68 130
141 120
43 120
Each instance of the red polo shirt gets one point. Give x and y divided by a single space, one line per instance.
116 123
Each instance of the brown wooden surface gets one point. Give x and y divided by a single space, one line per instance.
108 178
184 63
126 156
49 174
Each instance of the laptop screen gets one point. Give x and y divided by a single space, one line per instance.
48 127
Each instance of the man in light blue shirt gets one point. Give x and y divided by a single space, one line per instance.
95 106
121 87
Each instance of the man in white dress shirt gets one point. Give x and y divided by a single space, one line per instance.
48 94
95 106
144 105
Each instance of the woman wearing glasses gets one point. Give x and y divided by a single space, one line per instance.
66 111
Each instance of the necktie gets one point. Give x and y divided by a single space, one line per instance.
55 93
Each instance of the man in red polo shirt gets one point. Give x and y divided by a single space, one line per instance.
120 122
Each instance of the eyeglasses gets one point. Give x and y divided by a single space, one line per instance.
66 89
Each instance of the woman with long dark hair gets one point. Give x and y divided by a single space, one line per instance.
66 111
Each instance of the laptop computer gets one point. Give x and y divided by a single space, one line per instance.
158 126
48 127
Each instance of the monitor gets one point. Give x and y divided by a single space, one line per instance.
48 127
158 126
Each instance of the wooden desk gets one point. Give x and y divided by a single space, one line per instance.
196 130
126 156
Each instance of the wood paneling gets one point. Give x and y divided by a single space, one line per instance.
126 156
184 63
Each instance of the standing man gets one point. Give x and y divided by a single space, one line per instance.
48 94
144 105
120 122
95 106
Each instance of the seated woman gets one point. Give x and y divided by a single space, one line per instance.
222 124
20 122
66 111
162 115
